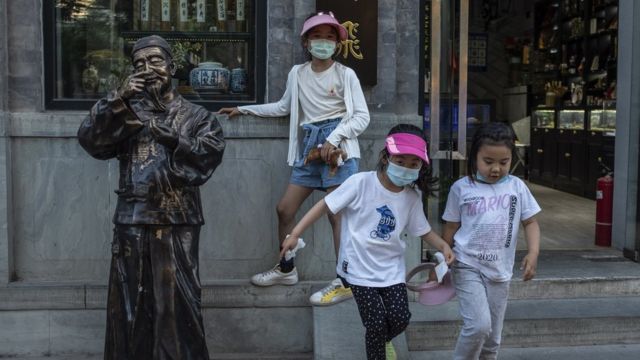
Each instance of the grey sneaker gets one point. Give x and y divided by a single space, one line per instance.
275 277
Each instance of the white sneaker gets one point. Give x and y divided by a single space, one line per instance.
275 277
331 294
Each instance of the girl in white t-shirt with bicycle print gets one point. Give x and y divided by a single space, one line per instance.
376 207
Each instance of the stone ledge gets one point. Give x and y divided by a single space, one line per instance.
223 294
241 294
64 124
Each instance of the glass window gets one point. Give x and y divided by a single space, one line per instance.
218 55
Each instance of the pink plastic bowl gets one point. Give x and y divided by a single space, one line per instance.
432 292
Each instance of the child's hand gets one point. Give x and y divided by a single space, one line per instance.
230 111
449 257
288 244
529 265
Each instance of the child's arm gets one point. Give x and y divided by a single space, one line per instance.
436 241
532 235
449 230
319 209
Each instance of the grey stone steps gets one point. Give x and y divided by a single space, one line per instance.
259 356
598 352
235 356
528 323
240 293
551 322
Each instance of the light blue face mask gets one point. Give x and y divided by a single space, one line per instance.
483 179
400 175
322 49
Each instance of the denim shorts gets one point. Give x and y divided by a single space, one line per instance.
316 173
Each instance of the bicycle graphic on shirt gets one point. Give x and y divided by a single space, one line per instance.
386 225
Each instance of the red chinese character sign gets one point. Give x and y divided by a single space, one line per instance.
360 50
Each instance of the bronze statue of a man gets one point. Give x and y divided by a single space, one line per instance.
166 147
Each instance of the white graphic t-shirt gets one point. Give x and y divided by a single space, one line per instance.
373 218
490 216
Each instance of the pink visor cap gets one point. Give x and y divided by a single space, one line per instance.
432 292
407 144
324 19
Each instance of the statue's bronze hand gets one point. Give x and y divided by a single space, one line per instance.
163 133
133 84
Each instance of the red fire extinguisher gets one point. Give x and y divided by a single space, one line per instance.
604 210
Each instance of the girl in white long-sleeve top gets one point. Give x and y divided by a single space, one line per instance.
327 112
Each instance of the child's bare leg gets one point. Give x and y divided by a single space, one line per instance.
336 291
288 206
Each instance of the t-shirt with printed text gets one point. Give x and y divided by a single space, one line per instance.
490 216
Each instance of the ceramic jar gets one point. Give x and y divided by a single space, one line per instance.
238 80
210 76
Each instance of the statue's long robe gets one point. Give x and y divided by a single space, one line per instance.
153 309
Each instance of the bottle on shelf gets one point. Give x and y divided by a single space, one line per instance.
221 15
241 15
145 15
165 16
185 15
231 16
203 16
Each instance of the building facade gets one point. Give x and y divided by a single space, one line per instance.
56 203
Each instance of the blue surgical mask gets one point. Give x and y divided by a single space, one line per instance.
400 175
322 49
483 179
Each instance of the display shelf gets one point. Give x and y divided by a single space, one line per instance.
581 75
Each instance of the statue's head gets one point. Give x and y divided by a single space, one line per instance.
152 56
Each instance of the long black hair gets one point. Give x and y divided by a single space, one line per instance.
426 182
492 133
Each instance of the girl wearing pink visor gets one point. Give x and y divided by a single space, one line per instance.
376 208
327 111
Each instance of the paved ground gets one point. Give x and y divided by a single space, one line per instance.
563 214
608 352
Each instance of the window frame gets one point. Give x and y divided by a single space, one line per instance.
50 47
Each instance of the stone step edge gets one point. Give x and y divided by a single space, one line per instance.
535 332
589 352
519 309
261 356
212 356
240 293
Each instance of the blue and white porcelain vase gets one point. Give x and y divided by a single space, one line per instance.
238 80
210 76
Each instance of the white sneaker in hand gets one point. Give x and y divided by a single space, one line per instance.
275 277
331 294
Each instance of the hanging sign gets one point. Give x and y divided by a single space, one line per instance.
360 50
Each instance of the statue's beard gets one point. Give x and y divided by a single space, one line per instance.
155 92
155 95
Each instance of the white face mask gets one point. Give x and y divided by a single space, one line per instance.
400 175
322 49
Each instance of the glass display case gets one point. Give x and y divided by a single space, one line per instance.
215 45
571 119
544 119
602 120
